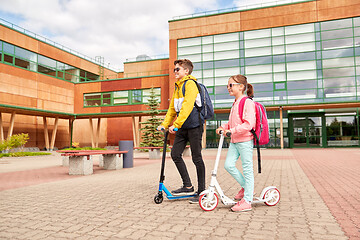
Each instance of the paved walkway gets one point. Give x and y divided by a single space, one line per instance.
320 190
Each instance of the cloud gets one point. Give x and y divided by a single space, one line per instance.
114 29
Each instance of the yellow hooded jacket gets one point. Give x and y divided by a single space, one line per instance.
183 106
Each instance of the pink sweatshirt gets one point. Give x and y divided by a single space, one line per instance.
240 130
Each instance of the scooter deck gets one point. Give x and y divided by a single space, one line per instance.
170 196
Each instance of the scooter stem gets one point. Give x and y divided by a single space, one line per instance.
221 141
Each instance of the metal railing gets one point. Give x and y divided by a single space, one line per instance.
240 8
50 42
146 58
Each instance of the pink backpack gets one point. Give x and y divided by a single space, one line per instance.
261 132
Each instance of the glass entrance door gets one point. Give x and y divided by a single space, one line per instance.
307 131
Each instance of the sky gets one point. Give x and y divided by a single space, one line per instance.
117 30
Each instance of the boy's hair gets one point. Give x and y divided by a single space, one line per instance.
185 63
247 86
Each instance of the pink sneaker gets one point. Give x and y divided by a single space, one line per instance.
241 206
240 195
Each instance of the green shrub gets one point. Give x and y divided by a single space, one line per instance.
23 154
15 141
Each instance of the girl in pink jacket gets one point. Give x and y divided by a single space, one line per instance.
241 144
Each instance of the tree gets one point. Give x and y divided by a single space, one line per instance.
150 136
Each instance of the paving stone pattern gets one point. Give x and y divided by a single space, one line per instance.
119 205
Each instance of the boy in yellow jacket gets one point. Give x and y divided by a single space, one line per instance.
189 125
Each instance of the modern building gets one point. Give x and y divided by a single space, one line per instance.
303 60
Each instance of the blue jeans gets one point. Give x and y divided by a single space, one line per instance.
245 151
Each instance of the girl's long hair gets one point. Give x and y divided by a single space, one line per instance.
247 86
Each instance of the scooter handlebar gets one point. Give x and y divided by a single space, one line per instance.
163 129
228 134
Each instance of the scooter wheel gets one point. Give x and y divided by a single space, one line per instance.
158 199
273 196
207 203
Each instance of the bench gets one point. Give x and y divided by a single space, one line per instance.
154 152
81 161
187 152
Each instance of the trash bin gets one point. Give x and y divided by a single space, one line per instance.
127 157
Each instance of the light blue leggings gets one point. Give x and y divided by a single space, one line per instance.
245 150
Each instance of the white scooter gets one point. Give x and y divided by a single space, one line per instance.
209 200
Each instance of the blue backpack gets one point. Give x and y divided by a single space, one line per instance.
206 109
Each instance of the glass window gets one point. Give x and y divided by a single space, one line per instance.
338 62
22 63
261 87
307 84
92 76
121 97
279 77
338 43
208 73
338 72
344 23
296 57
207 48
338 53
261 60
208 56
92 99
192 57
227 72
357 21
226 37
357 31
303 28
221 81
291 76
252 52
278 40
258 69
264 33
227 63
339 82
8 48
226 46
279 67
278 49
340 92
221 90
46 61
300 38
280 86
207 39
106 98
208 82
296 66
136 96
259 78
334 34
255 43
302 94
300 47
196 65
25 54
226 55
189 50
189 42
278 31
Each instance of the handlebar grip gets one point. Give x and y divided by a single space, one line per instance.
228 134
176 129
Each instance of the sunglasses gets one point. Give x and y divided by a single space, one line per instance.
176 69
230 85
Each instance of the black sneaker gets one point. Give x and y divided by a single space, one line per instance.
183 191
194 199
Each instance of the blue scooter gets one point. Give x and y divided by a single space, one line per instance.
159 197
